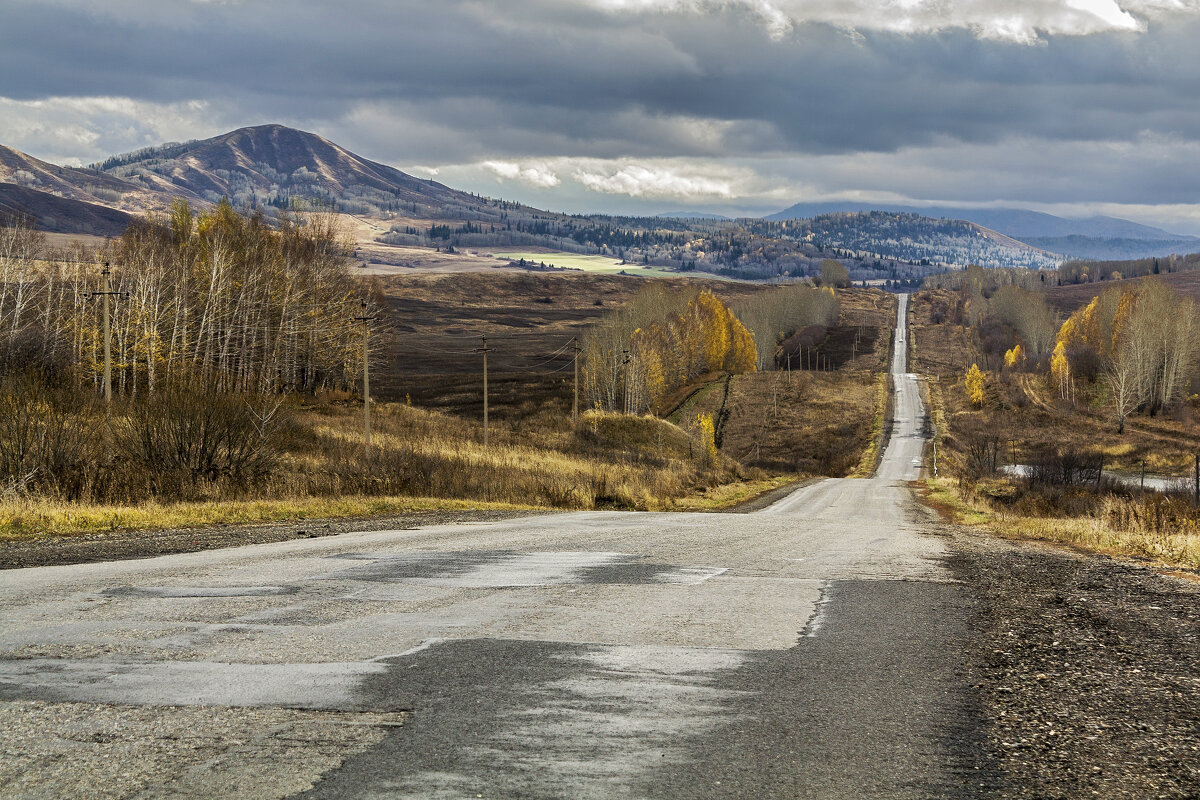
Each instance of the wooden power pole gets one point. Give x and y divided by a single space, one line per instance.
575 348
628 358
366 323
484 349
107 293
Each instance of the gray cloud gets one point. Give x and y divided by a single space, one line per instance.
922 99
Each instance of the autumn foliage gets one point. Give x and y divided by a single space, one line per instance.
662 340
1146 341
976 385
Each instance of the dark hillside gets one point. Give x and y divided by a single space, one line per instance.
55 214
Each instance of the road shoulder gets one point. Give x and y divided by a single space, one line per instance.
124 544
1088 669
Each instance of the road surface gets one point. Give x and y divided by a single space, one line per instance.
808 650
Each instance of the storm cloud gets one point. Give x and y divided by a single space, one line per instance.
619 104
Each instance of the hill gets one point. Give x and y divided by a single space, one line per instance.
82 184
1092 237
272 165
880 235
1113 249
56 214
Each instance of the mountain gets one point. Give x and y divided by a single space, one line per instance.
1090 247
694 215
1093 237
56 214
279 166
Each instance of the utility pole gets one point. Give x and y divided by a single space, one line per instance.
366 323
575 348
1196 492
484 349
106 293
625 362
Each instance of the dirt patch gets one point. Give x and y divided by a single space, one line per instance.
1088 671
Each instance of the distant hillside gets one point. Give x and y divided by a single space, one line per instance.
1113 249
86 185
55 214
693 215
914 239
1093 237
272 165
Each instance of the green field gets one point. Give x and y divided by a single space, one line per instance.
597 264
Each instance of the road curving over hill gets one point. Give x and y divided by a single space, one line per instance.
814 649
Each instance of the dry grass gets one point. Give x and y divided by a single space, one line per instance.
874 449
32 517
421 460
811 423
937 347
730 494
1125 526
1159 528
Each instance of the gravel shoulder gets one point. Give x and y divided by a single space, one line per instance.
124 544
1089 671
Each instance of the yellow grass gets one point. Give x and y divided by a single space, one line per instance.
601 265
27 519
1172 547
422 460
588 263
870 457
728 495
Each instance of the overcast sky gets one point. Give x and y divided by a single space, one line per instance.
735 106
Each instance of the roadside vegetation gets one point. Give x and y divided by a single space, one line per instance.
235 357
1046 422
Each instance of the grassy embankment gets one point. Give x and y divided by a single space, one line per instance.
1022 420
425 460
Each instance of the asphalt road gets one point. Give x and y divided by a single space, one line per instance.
808 650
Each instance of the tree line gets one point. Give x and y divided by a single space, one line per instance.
773 315
220 298
636 358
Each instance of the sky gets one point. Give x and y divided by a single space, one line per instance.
741 107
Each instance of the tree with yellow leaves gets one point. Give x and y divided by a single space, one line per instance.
1060 369
672 338
1013 357
975 385
708 439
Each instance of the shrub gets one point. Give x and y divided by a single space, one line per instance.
189 433
47 438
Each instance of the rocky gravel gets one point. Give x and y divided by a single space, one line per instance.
1089 671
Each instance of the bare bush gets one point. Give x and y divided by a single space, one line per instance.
47 439
1064 468
196 433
